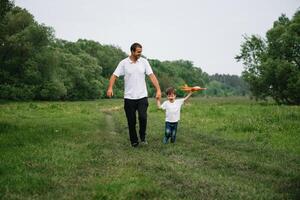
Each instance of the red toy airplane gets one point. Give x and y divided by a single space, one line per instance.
186 88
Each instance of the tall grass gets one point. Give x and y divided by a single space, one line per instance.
226 148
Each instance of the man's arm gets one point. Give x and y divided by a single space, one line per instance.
112 80
156 85
158 103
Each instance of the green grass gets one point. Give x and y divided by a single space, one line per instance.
226 148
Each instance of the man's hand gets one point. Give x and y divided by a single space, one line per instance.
109 93
156 85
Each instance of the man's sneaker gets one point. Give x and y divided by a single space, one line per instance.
135 144
144 142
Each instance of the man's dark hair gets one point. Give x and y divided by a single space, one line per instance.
170 91
134 46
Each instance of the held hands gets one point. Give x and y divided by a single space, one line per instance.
158 98
158 103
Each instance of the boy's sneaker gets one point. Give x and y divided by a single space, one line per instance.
144 142
165 140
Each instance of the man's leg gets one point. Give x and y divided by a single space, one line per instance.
142 111
130 110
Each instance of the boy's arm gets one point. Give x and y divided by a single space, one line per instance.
188 96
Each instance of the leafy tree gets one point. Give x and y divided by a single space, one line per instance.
272 65
215 88
5 6
36 65
22 39
107 56
177 73
232 84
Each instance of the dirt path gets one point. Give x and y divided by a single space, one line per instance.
109 119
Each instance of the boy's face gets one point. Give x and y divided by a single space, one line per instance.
171 97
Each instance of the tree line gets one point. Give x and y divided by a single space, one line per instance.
272 64
34 65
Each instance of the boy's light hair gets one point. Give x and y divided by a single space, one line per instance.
170 91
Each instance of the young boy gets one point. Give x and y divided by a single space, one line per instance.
172 107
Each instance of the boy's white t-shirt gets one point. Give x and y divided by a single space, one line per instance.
172 110
134 77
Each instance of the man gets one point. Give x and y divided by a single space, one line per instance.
134 68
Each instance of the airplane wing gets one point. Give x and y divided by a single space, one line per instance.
195 88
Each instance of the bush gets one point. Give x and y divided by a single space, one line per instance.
53 91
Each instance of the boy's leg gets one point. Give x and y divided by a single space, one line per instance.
142 111
167 133
174 131
130 110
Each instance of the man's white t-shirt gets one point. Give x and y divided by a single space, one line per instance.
172 110
134 77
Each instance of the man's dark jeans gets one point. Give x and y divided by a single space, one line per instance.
130 107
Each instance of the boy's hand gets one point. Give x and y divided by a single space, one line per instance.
188 96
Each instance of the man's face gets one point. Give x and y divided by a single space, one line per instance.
171 97
137 53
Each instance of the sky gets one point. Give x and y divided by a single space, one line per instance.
207 32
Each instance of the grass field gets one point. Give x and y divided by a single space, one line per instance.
226 148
